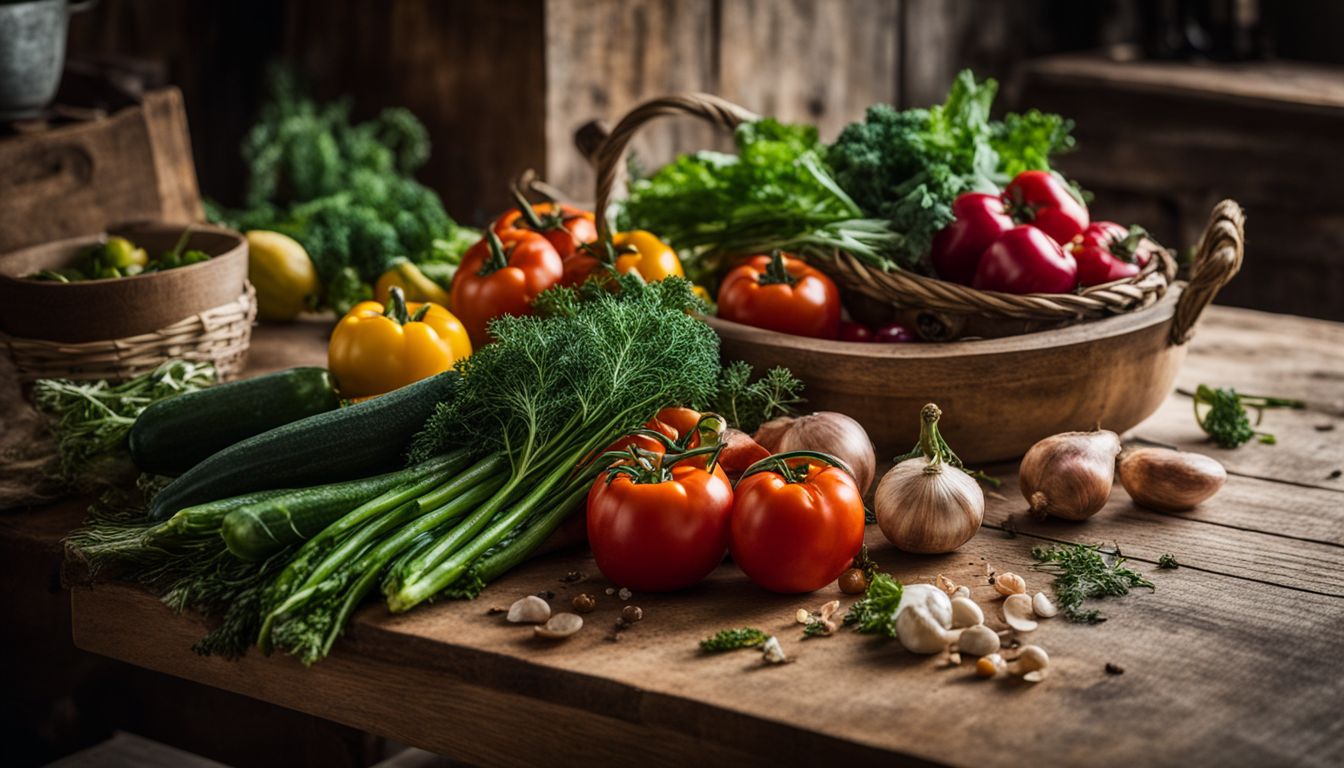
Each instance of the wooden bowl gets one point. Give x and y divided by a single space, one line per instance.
117 308
999 396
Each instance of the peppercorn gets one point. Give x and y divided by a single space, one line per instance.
584 602
631 613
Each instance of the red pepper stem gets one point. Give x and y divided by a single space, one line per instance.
396 306
775 273
498 260
779 463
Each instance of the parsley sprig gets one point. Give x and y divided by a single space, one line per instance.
1083 572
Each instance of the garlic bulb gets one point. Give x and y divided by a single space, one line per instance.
1069 475
923 619
1170 481
926 504
827 432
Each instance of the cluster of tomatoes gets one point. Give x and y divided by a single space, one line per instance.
534 247
663 516
1036 237
782 293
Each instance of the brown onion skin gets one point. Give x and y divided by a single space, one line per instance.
1069 475
1170 481
928 513
828 432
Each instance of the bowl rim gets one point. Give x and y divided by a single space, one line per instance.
1158 313
83 241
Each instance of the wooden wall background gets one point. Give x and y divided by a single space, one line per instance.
502 84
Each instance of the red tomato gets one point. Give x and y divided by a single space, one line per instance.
500 275
682 420
565 226
1039 198
1025 260
895 333
799 533
852 331
662 532
1107 251
956 250
782 294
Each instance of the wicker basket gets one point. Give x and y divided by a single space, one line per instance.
942 310
123 327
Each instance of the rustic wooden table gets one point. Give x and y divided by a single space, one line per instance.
1233 659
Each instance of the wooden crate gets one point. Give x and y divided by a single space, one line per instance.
79 179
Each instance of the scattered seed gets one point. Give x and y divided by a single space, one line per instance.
624 594
572 576
1325 427
1114 669
632 613
1334 475
611 590
853 581
584 603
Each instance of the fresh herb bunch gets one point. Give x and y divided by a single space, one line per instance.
908 166
748 404
91 418
1083 572
1221 413
775 193
733 639
1168 562
343 190
876 611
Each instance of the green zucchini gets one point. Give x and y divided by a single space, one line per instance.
354 441
176 434
258 530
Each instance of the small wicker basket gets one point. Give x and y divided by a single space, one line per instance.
123 327
942 310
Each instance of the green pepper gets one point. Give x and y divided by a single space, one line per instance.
194 257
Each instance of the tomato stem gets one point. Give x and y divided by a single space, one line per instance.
775 273
529 213
779 464
498 260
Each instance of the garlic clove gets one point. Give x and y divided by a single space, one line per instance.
1031 659
560 625
1017 612
923 619
529 610
978 640
1041 606
946 584
965 613
1009 584
962 591
772 652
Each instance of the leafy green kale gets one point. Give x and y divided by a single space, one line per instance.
908 166
343 190
876 612
733 639
774 193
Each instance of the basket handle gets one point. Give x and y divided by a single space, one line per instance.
606 156
1217 260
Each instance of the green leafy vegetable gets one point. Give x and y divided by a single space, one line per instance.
876 611
91 419
748 404
733 639
776 192
343 190
1221 413
907 166
1083 572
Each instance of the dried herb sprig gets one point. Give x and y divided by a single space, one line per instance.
1167 562
1083 572
1221 413
733 639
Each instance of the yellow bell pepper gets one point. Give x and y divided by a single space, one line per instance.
415 284
376 349
644 253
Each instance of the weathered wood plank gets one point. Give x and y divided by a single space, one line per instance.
1287 560
471 681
